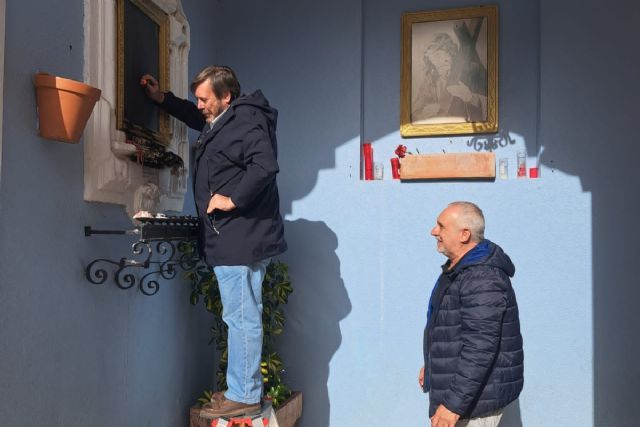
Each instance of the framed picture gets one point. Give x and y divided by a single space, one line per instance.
142 48
449 72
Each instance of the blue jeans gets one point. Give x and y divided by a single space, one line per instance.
241 293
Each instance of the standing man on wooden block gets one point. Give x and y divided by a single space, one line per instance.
236 196
473 358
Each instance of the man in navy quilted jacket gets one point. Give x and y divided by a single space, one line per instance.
473 358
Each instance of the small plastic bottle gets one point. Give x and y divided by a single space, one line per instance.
522 164
503 168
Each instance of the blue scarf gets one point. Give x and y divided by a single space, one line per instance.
480 251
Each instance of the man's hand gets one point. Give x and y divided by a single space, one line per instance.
221 203
444 418
152 88
421 377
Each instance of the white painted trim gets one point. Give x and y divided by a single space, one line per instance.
108 175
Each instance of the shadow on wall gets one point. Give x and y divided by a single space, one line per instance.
511 416
588 134
318 302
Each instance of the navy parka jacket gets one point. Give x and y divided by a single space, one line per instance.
472 344
237 158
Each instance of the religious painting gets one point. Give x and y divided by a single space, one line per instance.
142 48
449 76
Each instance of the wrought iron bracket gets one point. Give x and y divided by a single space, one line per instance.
164 246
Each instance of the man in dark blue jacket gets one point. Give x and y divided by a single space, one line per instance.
473 358
236 196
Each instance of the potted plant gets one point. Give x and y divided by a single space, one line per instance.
276 289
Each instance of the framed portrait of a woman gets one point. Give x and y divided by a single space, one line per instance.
449 76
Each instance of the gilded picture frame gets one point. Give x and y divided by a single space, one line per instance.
449 74
142 47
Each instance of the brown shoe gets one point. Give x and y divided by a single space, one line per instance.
216 396
220 406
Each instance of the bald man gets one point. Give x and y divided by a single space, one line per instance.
473 358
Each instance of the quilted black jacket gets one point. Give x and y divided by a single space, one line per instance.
472 344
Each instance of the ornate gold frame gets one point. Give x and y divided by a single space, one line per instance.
411 129
157 15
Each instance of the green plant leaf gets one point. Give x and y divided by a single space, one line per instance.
193 298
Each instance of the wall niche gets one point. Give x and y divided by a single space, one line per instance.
142 168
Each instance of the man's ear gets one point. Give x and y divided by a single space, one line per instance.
465 236
226 98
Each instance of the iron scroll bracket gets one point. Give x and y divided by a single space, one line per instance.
164 247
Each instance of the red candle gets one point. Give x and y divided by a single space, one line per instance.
367 152
395 168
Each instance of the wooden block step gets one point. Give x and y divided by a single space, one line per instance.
196 419
286 415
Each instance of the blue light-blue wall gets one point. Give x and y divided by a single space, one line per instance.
589 97
360 256
71 353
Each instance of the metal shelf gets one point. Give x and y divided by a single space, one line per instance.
164 246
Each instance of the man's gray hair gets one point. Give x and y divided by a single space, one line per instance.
471 217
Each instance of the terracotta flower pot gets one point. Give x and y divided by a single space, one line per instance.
64 106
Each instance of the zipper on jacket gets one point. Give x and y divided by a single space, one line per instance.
212 219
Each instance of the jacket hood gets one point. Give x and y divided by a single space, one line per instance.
487 253
258 100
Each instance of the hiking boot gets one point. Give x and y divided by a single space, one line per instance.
220 406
